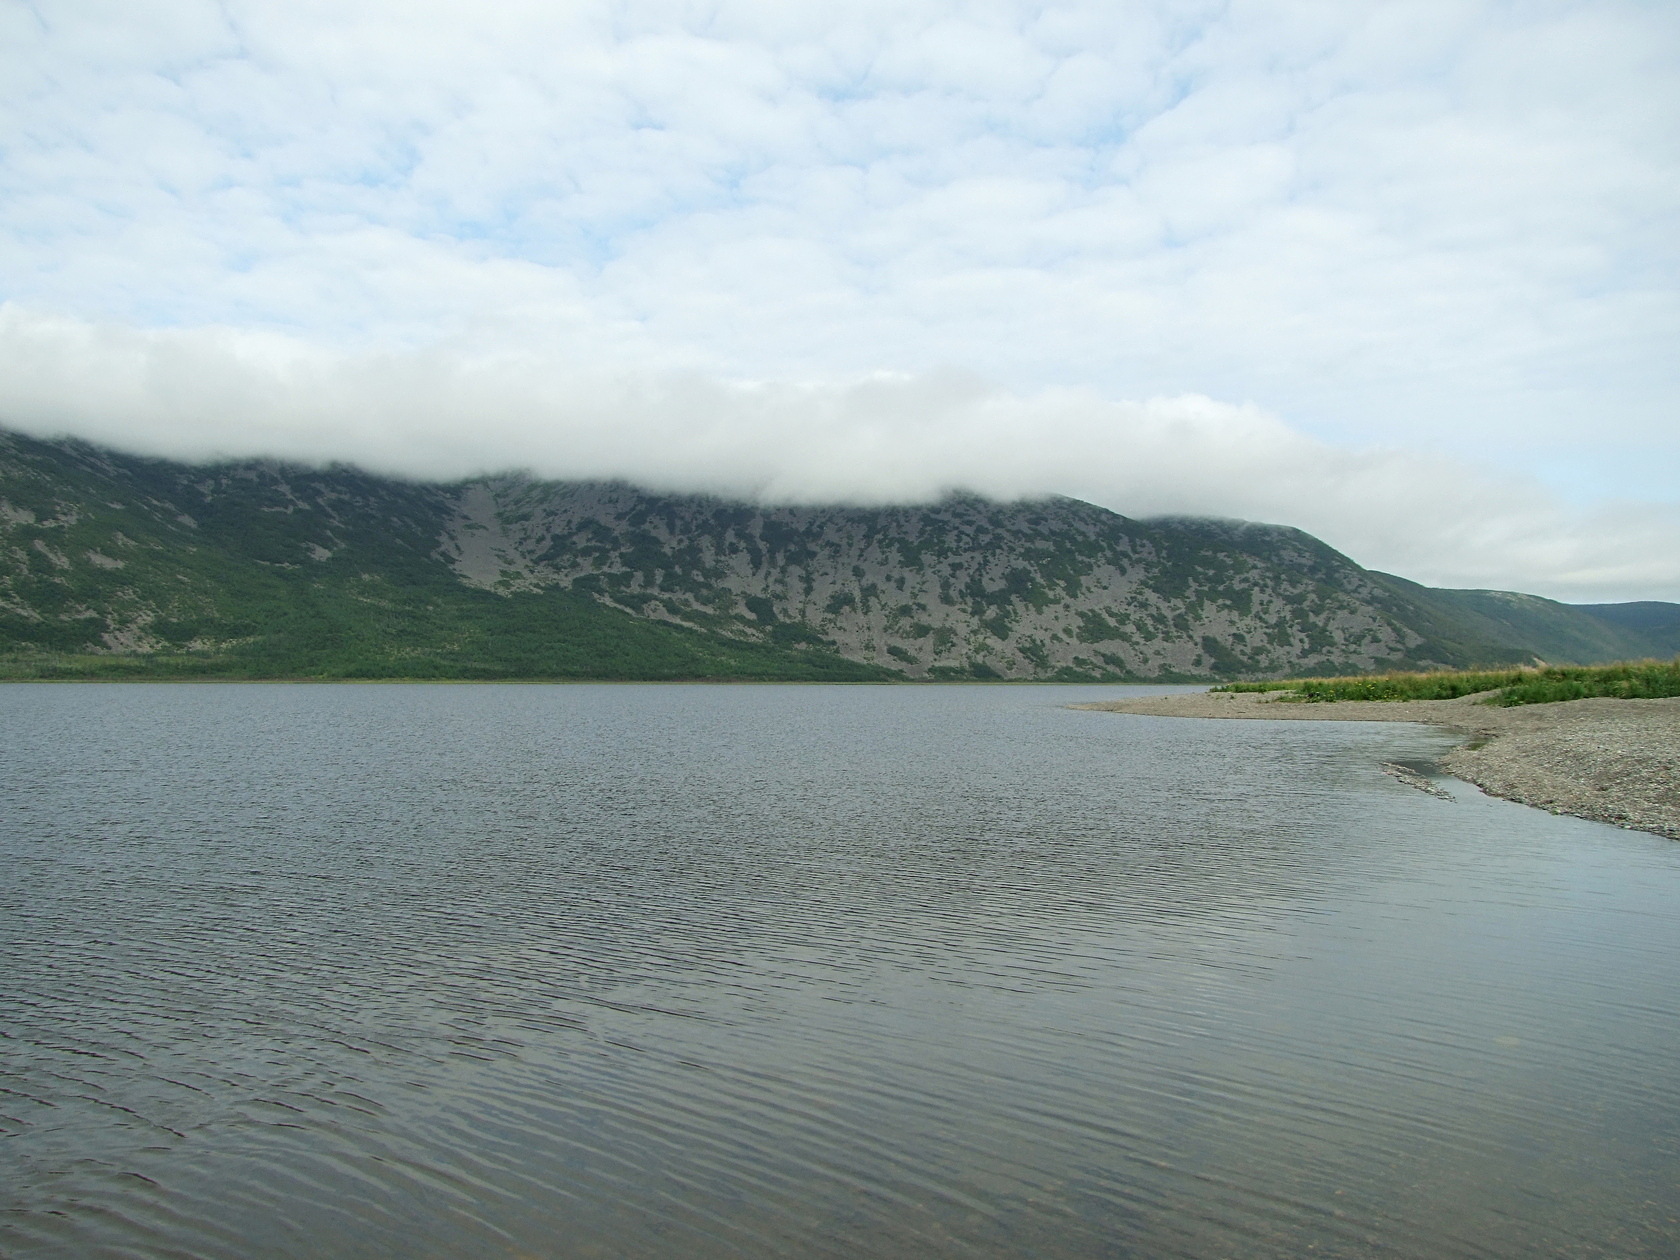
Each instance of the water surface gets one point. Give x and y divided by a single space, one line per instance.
534 971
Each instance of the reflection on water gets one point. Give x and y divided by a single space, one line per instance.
765 971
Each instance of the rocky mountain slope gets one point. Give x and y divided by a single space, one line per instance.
110 562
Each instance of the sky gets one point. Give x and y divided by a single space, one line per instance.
1403 274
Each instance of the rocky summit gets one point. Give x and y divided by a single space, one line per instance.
112 564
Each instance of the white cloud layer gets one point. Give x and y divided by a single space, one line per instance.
887 438
1422 236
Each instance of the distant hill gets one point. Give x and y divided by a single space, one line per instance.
112 564
1657 623
1574 634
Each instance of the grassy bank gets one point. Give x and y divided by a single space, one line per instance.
1626 680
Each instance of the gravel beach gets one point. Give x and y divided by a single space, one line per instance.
1614 761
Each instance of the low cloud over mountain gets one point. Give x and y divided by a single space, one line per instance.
452 413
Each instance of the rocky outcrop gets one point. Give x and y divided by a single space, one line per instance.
965 587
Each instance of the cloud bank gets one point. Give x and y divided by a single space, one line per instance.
876 249
444 414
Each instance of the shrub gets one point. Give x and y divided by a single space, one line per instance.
1625 680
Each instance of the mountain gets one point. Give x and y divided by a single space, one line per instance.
1543 629
1657 623
113 564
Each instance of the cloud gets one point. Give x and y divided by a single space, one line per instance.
1422 237
443 413
1366 214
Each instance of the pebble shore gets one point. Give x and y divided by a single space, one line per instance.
1614 761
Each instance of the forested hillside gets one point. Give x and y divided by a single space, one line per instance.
114 564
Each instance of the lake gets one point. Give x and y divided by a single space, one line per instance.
751 971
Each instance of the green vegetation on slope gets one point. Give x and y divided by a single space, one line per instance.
472 635
118 567
1535 630
1658 623
1626 680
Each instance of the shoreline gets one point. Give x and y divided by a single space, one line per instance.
1610 761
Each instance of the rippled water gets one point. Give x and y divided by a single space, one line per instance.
435 971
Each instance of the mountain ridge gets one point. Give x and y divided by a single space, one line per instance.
262 568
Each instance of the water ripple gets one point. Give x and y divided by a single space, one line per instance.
684 971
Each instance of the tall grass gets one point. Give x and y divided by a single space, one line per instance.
1626 680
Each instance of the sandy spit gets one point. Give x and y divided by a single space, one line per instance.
1614 761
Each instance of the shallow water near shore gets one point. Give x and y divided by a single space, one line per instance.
688 971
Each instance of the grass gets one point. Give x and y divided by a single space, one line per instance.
1625 680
